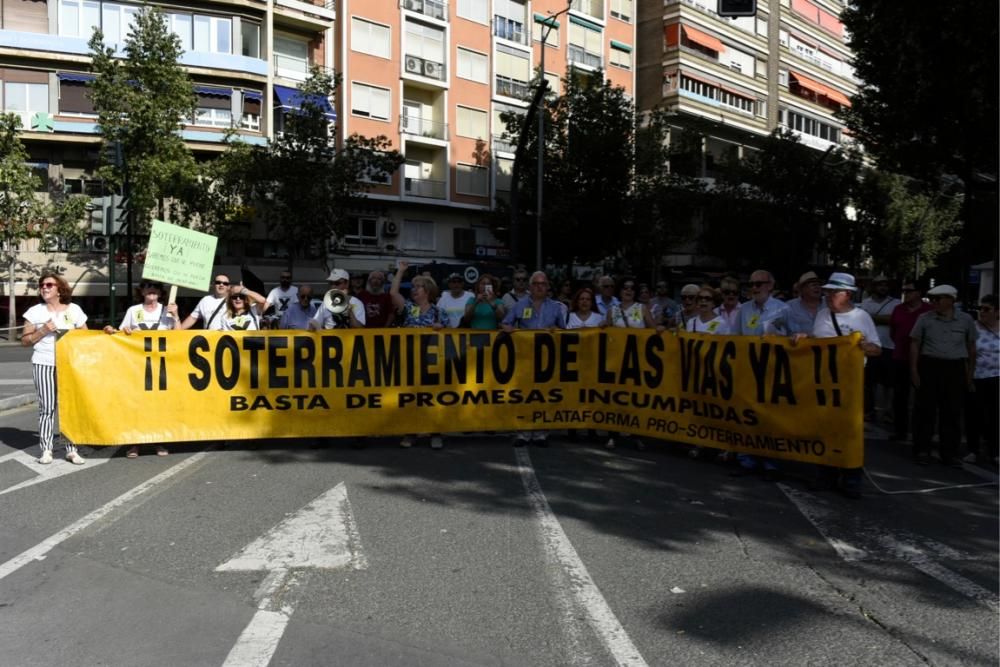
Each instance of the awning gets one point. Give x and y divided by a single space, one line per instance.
209 90
251 95
703 39
585 23
821 89
72 76
621 46
291 99
548 20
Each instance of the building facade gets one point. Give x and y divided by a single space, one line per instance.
432 76
732 81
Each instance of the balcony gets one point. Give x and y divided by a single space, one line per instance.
291 67
520 90
422 67
423 127
592 8
511 30
436 9
423 187
502 145
577 56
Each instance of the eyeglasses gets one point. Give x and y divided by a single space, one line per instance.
729 292
222 282
759 283
48 285
687 297
237 297
705 298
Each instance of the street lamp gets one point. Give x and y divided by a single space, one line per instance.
546 29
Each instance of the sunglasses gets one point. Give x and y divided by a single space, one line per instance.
759 283
221 282
237 297
729 292
48 285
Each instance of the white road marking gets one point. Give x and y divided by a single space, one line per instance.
600 616
9 382
322 534
886 544
41 549
58 468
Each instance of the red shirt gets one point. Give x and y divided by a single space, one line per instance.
901 324
378 309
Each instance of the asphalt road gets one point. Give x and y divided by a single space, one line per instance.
479 555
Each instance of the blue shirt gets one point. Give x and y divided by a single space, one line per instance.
797 319
602 307
524 315
754 320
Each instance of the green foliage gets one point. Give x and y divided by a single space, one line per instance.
301 185
142 101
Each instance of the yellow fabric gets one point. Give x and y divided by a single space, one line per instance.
754 395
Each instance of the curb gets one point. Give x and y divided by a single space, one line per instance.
17 401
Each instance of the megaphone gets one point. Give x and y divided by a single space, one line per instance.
336 301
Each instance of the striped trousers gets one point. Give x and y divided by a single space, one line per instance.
45 387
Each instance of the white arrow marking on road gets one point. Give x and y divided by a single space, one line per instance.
883 543
53 470
320 535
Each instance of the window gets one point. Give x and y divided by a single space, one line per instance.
540 26
424 42
585 44
719 95
370 38
361 232
116 22
811 126
505 170
471 122
74 98
79 18
418 235
369 101
620 57
554 82
214 108
513 72
250 119
474 10
594 8
473 66
508 20
291 58
181 25
26 99
250 38
472 180
214 34
621 9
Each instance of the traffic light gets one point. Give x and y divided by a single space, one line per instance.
737 8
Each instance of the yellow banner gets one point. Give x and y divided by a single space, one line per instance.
760 396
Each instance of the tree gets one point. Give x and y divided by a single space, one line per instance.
23 214
142 103
301 185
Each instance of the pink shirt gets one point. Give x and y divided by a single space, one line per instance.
901 324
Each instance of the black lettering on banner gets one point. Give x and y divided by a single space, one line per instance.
758 363
428 359
783 387
354 401
503 371
359 374
604 376
238 403
544 357
199 382
227 347
387 361
254 344
726 384
479 343
780 384
409 361
332 352
276 362
304 355
654 376
455 361
630 362
161 346
568 343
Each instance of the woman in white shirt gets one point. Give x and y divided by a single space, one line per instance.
706 320
581 313
44 324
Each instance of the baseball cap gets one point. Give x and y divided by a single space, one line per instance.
337 275
454 277
943 290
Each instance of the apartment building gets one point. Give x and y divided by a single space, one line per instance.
433 76
732 81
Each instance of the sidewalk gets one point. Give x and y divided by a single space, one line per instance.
16 387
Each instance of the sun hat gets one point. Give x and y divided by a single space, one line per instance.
841 281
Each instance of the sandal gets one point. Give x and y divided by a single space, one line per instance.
133 452
161 450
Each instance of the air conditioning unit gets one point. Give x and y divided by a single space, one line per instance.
432 69
414 5
413 65
390 228
97 243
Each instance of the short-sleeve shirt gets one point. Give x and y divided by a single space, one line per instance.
524 315
901 325
717 325
987 353
241 322
324 319
631 317
73 317
297 317
413 317
941 338
663 308
853 320
796 320
883 307
592 320
281 299
603 307
378 309
206 308
484 315
137 317
454 307
754 319
511 298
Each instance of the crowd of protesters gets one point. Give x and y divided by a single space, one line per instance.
921 348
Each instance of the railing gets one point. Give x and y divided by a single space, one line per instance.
422 187
291 67
433 8
424 67
423 127
513 88
577 55
504 145
509 29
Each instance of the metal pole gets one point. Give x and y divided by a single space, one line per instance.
541 155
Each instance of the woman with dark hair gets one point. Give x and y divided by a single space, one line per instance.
981 408
581 312
484 310
44 323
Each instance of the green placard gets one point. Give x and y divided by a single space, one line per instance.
179 256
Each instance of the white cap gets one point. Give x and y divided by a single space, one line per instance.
943 290
338 274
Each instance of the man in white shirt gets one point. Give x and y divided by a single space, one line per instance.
209 309
453 302
281 297
879 370
353 317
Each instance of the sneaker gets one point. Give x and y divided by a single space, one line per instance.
161 450
437 442
406 442
75 459
45 458
610 444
